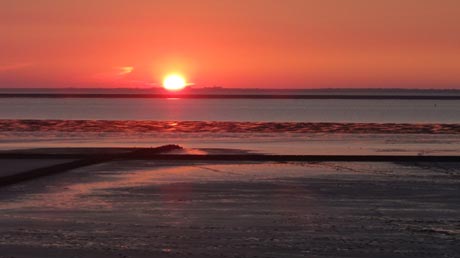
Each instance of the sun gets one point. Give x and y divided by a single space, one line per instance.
174 82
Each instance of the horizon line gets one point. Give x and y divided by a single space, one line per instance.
226 96
227 88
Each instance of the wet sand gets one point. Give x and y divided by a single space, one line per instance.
23 165
11 167
228 209
147 126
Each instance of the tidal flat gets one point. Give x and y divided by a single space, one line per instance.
235 209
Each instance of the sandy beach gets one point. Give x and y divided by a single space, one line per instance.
141 208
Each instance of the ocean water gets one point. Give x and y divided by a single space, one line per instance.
235 110
281 126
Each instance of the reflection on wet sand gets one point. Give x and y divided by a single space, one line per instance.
146 208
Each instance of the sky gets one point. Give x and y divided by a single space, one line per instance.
231 43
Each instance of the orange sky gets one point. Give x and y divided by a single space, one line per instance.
230 43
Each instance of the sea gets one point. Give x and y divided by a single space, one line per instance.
326 121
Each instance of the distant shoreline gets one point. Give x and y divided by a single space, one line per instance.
228 96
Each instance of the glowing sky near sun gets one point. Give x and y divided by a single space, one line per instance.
230 43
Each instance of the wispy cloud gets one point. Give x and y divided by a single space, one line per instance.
124 70
13 66
115 73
